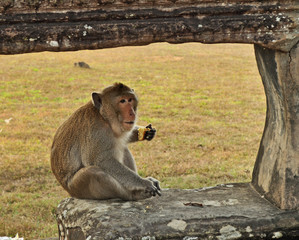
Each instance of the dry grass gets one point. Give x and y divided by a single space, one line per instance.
206 101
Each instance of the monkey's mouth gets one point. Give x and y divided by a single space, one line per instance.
128 125
131 123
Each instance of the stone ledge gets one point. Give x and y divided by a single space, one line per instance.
232 211
69 25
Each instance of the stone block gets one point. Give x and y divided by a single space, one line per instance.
231 211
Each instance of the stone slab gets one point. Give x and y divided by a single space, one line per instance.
69 25
231 211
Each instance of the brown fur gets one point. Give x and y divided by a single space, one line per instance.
90 157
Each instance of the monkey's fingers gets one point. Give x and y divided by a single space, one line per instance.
155 182
158 186
159 193
149 126
153 191
156 191
149 134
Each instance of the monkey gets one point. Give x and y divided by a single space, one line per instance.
81 64
90 156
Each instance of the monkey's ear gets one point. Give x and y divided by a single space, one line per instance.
96 100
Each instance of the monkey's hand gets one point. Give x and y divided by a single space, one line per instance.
154 189
147 133
149 189
156 184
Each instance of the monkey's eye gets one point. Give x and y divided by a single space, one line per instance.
122 101
130 99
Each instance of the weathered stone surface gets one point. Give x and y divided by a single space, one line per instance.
233 211
53 25
276 172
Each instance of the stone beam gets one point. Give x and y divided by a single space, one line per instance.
54 25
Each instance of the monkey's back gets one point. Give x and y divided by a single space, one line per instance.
71 142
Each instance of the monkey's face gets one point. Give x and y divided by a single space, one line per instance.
127 106
117 105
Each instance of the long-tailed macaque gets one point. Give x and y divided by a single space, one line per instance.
90 157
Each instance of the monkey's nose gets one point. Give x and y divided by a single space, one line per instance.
132 112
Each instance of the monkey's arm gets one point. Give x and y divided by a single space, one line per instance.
134 135
143 133
136 186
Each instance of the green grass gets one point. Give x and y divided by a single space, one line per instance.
206 101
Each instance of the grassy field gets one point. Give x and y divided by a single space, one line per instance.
206 101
